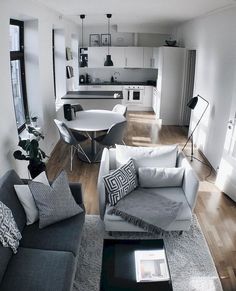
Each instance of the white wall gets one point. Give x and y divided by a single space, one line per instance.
43 21
124 38
125 75
214 39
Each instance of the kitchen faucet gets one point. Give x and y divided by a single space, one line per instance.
115 75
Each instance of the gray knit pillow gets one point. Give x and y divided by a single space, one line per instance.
55 203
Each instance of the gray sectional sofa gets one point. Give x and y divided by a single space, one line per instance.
47 258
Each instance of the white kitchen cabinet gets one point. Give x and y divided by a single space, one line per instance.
96 57
170 81
148 57
155 58
118 56
133 57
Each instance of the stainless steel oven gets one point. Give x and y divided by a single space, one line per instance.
134 94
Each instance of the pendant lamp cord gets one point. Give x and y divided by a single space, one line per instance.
108 36
82 33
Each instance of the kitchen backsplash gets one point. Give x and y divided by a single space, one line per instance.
119 75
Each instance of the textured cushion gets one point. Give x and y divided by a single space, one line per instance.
55 203
162 156
27 201
9 232
160 177
62 236
39 270
120 182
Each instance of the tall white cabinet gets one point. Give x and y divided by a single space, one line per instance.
170 83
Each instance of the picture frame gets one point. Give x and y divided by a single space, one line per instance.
94 39
105 39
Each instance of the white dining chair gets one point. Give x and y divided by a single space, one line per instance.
119 108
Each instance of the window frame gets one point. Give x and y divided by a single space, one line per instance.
19 55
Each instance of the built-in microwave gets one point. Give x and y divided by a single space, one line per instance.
134 94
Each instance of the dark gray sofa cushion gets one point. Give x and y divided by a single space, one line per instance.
39 270
5 256
61 236
9 198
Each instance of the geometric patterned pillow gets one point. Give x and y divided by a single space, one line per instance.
120 182
9 232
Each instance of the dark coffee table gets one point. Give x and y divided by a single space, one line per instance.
118 266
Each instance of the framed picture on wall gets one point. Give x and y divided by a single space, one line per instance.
94 40
105 39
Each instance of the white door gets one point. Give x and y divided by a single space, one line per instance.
226 176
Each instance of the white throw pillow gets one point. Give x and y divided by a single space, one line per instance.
162 156
160 177
27 201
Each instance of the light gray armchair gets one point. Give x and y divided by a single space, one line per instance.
187 194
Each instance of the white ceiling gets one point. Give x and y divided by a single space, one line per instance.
163 13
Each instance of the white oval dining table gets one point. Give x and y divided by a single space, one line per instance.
93 121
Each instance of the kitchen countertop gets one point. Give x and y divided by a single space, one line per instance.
93 95
121 83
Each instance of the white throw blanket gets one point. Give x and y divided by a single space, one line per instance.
9 232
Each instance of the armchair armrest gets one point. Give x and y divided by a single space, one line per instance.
103 170
190 181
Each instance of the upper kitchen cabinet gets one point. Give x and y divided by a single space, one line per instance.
133 57
150 57
170 82
156 58
147 57
118 56
96 57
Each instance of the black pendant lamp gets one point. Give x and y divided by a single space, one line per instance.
82 62
108 61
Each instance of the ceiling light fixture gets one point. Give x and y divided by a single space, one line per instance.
83 62
108 61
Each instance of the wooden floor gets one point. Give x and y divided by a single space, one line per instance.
215 211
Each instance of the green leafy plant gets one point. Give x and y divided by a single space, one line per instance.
33 153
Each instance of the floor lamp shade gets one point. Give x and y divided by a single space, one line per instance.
192 104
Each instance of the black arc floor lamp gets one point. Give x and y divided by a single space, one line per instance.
192 104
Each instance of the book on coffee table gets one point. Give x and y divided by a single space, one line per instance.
151 266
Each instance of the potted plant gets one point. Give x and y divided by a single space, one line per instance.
34 120
33 153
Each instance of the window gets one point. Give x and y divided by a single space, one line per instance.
18 72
